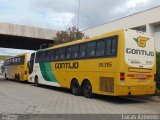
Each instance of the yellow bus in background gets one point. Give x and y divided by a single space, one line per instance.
118 63
16 67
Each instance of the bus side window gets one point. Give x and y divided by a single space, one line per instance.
62 53
111 45
57 54
43 56
37 57
91 46
68 53
114 46
51 55
100 48
16 60
108 46
12 61
47 56
74 53
22 60
82 51
9 61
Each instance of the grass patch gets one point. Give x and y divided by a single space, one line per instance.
2 57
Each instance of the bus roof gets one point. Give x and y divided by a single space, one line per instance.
109 34
85 40
16 56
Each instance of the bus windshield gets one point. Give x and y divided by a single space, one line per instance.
139 49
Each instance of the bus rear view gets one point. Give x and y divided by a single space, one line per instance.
138 71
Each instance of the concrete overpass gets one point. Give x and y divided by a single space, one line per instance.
24 37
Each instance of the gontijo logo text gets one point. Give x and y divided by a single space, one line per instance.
141 42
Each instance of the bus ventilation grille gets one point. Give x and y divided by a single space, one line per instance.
107 84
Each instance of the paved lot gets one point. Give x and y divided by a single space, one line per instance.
26 98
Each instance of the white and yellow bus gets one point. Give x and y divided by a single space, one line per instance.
118 63
16 67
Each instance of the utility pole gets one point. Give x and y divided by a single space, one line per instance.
79 3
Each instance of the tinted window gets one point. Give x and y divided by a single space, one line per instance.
8 62
111 45
62 53
21 60
38 57
108 46
18 60
100 48
47 56
68 53
51 55
114 46
15 61
43 56
75 51
82 50
91 49
57 54
12 60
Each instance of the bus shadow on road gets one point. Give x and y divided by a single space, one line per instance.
119 100
20 82
58 89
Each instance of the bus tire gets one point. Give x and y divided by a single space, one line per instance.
36 81
87 89
75 87
18 78
6 76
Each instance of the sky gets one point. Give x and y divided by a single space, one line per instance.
61 14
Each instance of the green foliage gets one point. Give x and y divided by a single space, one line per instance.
2 57
158 70
158 64
69 35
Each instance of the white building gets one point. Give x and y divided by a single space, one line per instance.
147 21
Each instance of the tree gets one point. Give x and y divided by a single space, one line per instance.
158 70
69 35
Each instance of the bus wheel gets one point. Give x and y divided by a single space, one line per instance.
87 89
6 76
75 87
36 81
18 78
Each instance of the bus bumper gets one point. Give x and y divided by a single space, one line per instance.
134 90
